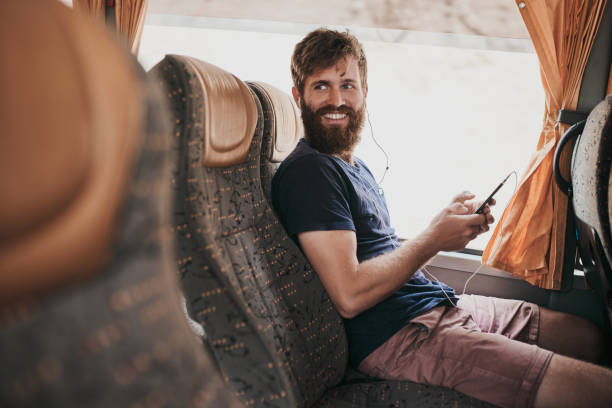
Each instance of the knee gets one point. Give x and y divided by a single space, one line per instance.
571 335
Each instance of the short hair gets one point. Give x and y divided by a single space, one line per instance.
323 48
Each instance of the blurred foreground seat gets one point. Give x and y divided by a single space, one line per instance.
266 316
89 305
591 175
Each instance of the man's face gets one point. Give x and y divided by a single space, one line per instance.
333 107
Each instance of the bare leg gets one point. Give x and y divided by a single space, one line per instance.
570 335
572 383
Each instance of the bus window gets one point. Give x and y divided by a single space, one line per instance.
453 111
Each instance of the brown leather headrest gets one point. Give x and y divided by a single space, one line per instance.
287 125
71 115
229 114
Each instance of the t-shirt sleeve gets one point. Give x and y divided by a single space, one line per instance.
312 195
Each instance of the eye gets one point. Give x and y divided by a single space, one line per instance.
320 87
348 86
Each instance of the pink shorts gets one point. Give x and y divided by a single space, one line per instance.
484 348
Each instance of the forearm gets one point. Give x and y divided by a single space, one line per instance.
377 278
355 287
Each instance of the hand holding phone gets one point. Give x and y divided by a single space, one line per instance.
486 202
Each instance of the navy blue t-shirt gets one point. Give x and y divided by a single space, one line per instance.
312 191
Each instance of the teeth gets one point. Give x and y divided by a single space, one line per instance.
335 116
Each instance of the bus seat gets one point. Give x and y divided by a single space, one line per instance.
591 175
89 311
282 127
274 332
225 244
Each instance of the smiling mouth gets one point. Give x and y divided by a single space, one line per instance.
335 116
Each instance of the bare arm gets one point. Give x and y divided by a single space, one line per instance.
355 287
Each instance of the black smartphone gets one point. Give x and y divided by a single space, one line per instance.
485 202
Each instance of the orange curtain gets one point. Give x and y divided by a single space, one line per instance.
95 8
129 18
529 238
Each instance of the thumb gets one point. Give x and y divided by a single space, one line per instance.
458 208
463 196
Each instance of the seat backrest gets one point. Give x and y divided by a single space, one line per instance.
592 197
274 331
282 131
89 310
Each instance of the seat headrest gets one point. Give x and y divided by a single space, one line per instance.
592 170
71 114
286 123
229 111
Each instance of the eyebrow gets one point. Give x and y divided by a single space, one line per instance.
320 82
325 82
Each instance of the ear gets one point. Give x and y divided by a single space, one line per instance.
296 96
365 92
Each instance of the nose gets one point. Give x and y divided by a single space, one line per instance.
335 97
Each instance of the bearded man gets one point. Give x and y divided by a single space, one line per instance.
401 325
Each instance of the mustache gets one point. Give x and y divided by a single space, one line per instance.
331 108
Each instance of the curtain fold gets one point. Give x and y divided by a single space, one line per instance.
128 22
529 239
94 8
129 19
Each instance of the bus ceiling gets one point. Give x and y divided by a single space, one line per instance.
490 18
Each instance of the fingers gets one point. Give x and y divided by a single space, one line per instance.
488 217
479 223
457 225
471 233
463 197
487 208
457 208
474 220
483 228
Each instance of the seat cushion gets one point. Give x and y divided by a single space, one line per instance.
384 394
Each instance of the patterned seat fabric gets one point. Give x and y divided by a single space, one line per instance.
268 320
592 199
266 316
116 335
356 390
